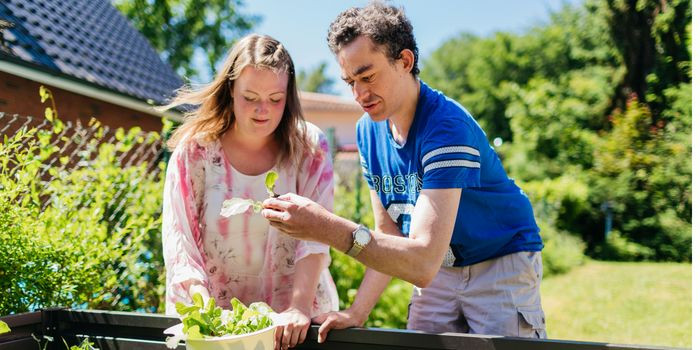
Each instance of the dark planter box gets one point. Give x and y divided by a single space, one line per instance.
128 330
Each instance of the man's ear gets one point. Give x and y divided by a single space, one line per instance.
407 60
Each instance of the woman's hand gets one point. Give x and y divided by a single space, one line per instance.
293 330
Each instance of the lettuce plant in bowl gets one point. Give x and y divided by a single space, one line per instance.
209 327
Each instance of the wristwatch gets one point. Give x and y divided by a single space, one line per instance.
360 239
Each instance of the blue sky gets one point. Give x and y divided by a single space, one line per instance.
301 25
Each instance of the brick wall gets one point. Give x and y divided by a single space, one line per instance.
21 96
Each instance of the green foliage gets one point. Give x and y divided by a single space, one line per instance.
178 29
653 40
642 167
617 247
315 80
270 180
597 98
555 201
391 310
552 122
209 320
81 237
86 344
480 73
351 196
346 271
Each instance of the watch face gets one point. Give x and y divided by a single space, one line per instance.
363 236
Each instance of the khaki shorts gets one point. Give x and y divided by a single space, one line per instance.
500 296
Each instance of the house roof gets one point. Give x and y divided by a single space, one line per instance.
88 40
312 101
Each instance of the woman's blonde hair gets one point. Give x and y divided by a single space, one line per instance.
213 113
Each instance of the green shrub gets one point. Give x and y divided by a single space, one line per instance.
391 310
642 166
81 237
617 247
557 201
562 250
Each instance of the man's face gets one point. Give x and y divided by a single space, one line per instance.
372 76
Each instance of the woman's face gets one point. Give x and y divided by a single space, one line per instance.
259 97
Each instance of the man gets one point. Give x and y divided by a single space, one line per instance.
448 219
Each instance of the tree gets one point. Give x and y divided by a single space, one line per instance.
643 167
315 80
652 37
477 72
595 111
179 29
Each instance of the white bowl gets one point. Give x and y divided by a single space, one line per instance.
263 339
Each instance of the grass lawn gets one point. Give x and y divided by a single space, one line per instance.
629 303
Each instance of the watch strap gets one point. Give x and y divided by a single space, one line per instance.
354 250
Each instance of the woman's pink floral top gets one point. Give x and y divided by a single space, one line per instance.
239 256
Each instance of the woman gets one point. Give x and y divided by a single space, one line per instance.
247 122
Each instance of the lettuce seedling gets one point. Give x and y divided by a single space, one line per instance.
235 206
200 321
270 180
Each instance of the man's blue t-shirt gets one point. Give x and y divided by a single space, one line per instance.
446 148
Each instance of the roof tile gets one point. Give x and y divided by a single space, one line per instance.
89 40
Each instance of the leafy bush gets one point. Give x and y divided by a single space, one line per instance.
554 201
617 247
81 237
588 95
642 166
562 251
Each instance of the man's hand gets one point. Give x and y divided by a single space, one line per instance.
293 332
297 216
336 320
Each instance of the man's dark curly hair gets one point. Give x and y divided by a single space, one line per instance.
386 25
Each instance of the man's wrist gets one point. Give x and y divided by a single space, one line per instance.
343 229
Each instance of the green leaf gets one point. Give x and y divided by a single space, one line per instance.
119 135
4 328
193 333
57 126
248 314
237 308
211 304
43 93
183 309
48 113
270 180
197 300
